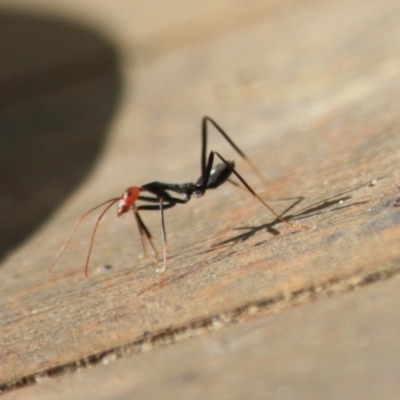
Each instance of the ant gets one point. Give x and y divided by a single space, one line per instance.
212 176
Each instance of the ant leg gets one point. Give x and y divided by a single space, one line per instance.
232 182
143 231
206 174
170 202
230 141
248 187
164 235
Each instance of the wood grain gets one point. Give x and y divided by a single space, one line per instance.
309 90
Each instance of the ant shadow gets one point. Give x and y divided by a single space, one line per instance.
317 208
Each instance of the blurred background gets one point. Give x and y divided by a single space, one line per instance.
60 84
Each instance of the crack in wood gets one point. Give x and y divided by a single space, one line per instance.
171 335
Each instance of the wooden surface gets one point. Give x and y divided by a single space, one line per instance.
309 90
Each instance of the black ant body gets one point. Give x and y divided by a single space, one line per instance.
212 176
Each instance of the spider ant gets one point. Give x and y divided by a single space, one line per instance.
212 176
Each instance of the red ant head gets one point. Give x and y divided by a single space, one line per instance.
128 199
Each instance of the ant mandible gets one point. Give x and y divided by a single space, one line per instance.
212 176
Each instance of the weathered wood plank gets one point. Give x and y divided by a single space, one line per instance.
312 95
344 347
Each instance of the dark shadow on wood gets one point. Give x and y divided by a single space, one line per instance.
323 206
60 85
